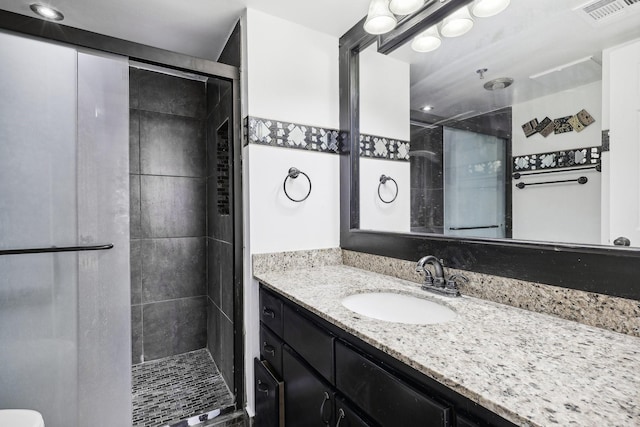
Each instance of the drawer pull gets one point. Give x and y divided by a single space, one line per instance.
268 312
262 387
325 400
269 349
340 417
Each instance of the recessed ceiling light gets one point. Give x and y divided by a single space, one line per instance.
427 108
47 12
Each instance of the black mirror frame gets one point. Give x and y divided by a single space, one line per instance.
591 268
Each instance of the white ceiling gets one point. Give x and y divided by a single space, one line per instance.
193 27
529 37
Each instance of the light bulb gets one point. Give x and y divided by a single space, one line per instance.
487 8
380 20
405 7
427 41
457 24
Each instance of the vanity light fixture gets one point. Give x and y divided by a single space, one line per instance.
427 41
458 23
405 7
380 20
487 8
46 12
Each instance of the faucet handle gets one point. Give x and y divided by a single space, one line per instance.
452 281
428 278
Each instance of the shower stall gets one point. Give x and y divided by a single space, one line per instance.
460 185
118 301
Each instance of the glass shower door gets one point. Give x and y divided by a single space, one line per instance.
64 316
474 184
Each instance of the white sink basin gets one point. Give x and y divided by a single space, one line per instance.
398 308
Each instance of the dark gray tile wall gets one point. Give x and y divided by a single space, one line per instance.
172 206
427 180
182 271
173 327
220 287
166 145
168 215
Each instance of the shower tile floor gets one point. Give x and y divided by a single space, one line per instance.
172 389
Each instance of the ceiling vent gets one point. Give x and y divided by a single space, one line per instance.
602 12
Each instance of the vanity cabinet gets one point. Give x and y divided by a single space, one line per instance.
331 378
388 400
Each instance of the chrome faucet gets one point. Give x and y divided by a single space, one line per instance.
437 282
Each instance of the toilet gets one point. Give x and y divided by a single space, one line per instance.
20 418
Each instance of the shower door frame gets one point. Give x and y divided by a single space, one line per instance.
75 37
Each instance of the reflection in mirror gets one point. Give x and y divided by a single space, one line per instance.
489 134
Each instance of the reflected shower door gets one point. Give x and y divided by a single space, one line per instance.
64 317
474 184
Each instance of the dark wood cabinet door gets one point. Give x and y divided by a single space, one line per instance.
308 400
269 397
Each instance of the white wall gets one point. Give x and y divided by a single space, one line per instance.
384 95
563 212
290 74
384 111
277 223
375 214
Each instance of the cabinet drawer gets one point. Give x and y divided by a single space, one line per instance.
347 417
385 398
313 343
271 311
269 393
271 349
463 422
309 402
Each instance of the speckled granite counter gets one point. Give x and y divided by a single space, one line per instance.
530 368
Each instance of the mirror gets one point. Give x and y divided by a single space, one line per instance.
526 127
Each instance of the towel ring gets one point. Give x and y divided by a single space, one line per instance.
383 180
293 174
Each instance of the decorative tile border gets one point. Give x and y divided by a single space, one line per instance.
277 133
379 147
557 159
605 140
291 135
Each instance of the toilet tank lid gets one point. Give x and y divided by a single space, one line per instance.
20 418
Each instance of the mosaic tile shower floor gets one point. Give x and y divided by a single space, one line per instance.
175 388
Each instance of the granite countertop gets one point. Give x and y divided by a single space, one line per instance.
530 368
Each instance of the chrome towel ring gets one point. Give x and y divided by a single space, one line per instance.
293 174
383 181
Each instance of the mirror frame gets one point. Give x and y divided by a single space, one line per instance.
606 270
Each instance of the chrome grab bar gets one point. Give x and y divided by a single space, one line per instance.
54 249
